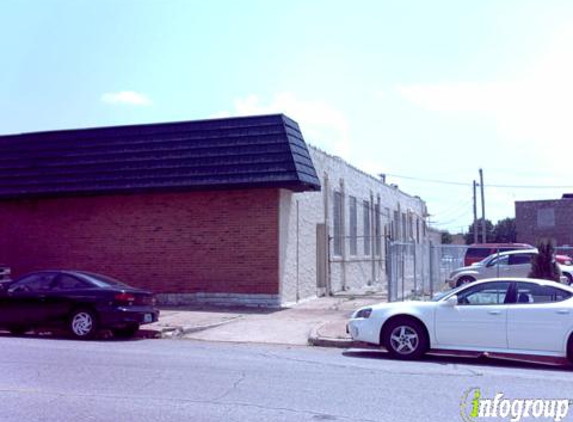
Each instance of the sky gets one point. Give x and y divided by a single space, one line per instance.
426 92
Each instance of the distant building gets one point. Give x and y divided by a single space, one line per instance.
458 239
435 236
544 219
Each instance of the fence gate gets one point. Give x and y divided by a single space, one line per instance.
418 270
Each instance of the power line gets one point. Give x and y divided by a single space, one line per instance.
444 182
455 209
453 219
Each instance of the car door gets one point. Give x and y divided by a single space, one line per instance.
25 300
540 319
479 319
495 267
519 265
66 292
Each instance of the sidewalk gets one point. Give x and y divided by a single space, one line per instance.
319 322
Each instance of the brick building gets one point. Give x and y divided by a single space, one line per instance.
551 219
219 211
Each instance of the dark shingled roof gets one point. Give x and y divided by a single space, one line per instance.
242 152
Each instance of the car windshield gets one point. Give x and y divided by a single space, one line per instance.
482 262
102 280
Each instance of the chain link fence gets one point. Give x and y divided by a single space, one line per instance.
408 270
420 270
404 269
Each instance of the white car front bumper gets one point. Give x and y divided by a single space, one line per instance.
364 329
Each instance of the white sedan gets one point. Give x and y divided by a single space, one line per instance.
503 315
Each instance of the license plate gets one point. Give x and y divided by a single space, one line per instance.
147 318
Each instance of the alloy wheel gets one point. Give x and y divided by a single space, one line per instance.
82 324
404 340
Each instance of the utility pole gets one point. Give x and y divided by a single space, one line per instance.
484 238
475 215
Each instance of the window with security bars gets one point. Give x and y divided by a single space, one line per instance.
377 229
366 214
410 222
353 227
396 225
338 224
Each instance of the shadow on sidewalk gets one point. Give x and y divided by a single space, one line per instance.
224 309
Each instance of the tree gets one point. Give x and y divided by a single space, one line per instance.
505 231
446 238
489 232
543 264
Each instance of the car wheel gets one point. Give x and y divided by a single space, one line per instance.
125 332
405 338
570 349
464 280
569 278
83 324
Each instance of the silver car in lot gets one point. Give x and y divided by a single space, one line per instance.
516 263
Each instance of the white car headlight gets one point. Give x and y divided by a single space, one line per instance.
363 313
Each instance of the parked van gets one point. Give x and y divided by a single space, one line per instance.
478 251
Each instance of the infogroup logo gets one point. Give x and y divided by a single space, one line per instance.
474 407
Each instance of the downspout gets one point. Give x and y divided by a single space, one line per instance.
327 234
372 235
343 233
297 252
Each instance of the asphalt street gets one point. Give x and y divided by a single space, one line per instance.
47 379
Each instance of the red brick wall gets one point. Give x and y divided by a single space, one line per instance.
215 242
527 224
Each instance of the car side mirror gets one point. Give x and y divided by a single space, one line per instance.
451 301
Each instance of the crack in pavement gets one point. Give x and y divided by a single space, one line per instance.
154 378
215 402
233 388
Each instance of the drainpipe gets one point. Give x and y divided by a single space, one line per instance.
327 231
373 237
343 233
297 251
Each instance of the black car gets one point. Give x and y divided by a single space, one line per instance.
4 272
80 301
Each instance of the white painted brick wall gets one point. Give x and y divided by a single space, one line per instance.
298 269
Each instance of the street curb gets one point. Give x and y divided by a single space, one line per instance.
315 339
146 334
191 330
180 331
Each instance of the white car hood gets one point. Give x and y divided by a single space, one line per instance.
404 304
474 267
